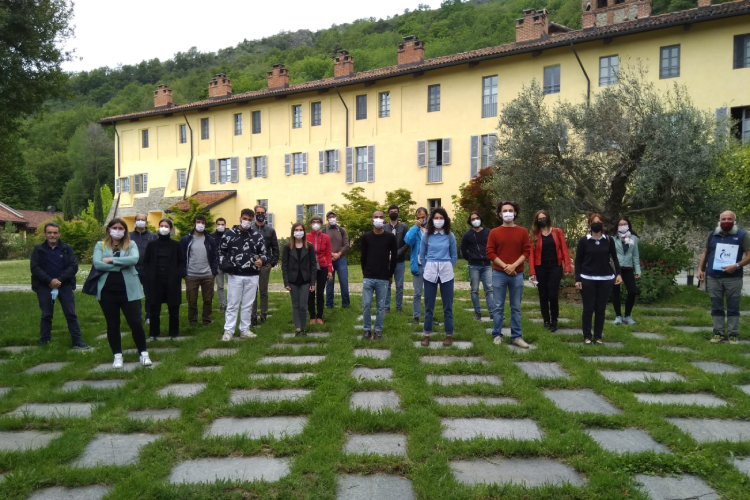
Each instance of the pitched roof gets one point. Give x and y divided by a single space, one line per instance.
651 23
206 199
8 214
36 218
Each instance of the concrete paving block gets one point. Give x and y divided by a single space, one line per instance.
103 336
626 376
4 391
568 331
54 410
372 353
373 487
215 353
742 464
59 493
473 400
706 400
46 367
113 449
74 385
693 329
258 427
581 401
542 370
457 344
676 348
648 335
463 379
715 367
684 487
708 430
490 428
375 401
126 367
211 470
242 396
282 376
314 335
376 444
26 440
181 390
744 388
291 360
528 472
505 331
362 374
516 349
153 350
625 441
664 318
203 369
541 320
155 415
296 347
616 359
180 338
447 360
15 349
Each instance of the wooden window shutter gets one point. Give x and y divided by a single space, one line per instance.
212 171
321 162
287 164
269 219
137 184
145 183
349 165
117 186
321 210
370 163
234 173
248 167
474 156
336 156
304 163
265 166
447 151
300 213
421 153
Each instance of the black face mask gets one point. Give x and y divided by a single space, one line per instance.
542 223
260 218
596 227
393 216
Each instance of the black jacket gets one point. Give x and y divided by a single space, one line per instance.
474 247
400 234
39 265
596 259
238 250
142 240
291 265
271 242
175 272
217 236
212 252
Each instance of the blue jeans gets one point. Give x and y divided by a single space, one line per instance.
341 268
398 279
483 274
501 283
417 282
368 287
430 294
67 302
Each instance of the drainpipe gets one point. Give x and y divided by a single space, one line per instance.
347 115
190 165
588 82
117 160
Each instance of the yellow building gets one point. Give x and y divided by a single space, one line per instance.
424 125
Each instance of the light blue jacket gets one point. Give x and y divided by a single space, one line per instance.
438 247
631 258
413 238
124 264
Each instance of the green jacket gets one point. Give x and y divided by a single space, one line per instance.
631 258
124 264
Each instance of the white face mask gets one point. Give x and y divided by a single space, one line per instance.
245 224
200 227
116 234
164 231
509 216
316 227
623 229
299 234
439 223
332 221
378 223
220 228
140 224
476 223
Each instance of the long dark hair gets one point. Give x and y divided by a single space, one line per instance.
293 240
630 226
535 225
124 242
431 225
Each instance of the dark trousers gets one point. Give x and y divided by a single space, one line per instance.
144 279
318 297
67 301
111 305
595 295
206 286
628 277
265 277
549 276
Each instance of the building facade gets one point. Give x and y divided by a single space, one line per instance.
424 125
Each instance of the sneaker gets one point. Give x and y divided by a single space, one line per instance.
43 343
145 360
553 326
173 337
254 321
598 342
546 325
734 339
298 333
367 335
247 334
378 335
587 341
152 338
519 342
117 364
227 336
313 321
148 321
497 340
425 341
263 319
448 341
718 339
222 309
320 321
628 320
304 333
81 346
618 320
477 317
415 320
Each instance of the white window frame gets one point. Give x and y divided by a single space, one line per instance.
670 70
182 133
296 116
605 64
145 142
181 179
551 85
384 104
433 98
205 129
489 96
358 163
435 161
125 184
238 124
316 116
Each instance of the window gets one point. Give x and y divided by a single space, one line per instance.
238 124
315 112
435 161
181 179
297 116
384 100
125 184
669 62
256 122
204 129
183 134
361 164
434 203
144 138
298 164
361 107
741 117
140 183
552 80
433 98
225 169
258 166
489 96
745 126
488 149
263 203
608 67
742 51
330 161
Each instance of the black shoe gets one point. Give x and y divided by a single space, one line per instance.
546 325
298 333
415 320
304 333
152 338
43 343
553 326
367 335
477 317
399 310
262 320
222 309
81 346
378 335
173 337
254 321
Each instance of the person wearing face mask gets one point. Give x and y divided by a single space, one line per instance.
119 289
141 236
339 246
53 267
242 255
322 245
548 259
597 268
299 266
413 238
201 265
379 258
474 250
508 247
272 247
397 229
626 243
727 252
221 228
163 266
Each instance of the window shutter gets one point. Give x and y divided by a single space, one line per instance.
321 161
739 52
287 164
137 184
180 179
304 163
300 213
349 165
447 151
145 183
336 155
370 163
117 186
234 171
269 219
722 124
248 167
265 166
564 139
212 171
474 156
126 185
421 153
321 210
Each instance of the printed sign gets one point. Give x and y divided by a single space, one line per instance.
726 255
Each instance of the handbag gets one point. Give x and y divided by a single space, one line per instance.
91 286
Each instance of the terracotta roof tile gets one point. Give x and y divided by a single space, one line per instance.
207 199
37 218
8 214
728 9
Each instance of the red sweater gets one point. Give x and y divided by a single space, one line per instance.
508 243
322 244
563 258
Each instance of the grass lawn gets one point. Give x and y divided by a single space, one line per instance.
316 456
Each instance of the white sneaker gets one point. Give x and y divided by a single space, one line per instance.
519 342
227 336
497 340
117 364
247 334
145 360
148 321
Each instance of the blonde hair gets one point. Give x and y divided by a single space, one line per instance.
124 242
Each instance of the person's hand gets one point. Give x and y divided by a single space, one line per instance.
730 269
638 276
330 276
701 275
510 271
618 280
312 288
533 277
579 285
258 262
107 260
506 267
288 288
55 284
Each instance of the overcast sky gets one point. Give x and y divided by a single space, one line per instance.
110 33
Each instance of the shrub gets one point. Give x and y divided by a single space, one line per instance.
81 234
661 261
183 219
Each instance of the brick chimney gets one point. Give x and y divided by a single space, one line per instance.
163 97
278 77
532 26
608 12
343 65
704 3
644 9
220 86
411 52
589 18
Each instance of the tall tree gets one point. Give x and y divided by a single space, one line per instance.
91 156
98 209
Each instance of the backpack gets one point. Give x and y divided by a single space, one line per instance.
341 230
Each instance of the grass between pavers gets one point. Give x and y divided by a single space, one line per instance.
316 453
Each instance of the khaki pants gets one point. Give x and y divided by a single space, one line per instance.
265 276
206 285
